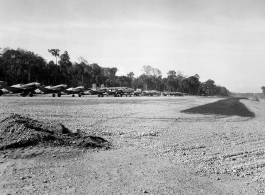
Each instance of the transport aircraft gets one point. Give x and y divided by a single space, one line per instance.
23 89
76 90
116 91
53 89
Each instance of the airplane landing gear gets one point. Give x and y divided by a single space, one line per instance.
53 95
59 94
73 95
24 94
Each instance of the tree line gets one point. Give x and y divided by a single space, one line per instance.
22 66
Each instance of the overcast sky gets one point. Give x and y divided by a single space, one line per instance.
222 40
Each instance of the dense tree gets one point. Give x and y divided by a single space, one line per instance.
65 65
150 71
131 78
210 84
54 52
171 81
18 66
21 66
194 84
263 90
53 73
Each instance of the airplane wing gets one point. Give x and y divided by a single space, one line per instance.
46 89
14 89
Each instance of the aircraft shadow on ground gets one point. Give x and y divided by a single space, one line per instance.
228 107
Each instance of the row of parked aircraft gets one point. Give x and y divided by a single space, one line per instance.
31 88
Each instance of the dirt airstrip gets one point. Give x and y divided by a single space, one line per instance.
155 148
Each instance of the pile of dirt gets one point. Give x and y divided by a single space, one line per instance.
17 131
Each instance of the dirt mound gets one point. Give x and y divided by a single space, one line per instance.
17 131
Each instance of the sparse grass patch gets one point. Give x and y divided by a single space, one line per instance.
228 107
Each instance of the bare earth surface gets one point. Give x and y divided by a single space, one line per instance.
156 149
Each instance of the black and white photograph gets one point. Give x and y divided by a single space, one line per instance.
132 97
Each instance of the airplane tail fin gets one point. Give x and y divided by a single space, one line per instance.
94 86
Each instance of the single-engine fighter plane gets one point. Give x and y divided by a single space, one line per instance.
23 89
2 85
100 91
53 89
76 90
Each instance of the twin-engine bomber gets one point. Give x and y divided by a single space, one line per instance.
116 91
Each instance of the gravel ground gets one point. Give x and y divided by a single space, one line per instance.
156 149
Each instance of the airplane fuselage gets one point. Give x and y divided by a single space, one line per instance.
53 89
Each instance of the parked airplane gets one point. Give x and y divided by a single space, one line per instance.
116 91
53 89
138 92
173 94
176 93
120 91
77 90
100 91
151 93
23 89
2 85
